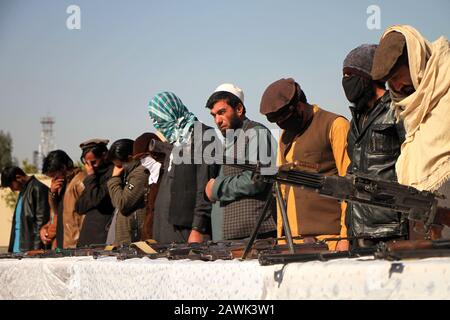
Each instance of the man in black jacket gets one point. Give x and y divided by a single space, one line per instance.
374 142
32 209
95 202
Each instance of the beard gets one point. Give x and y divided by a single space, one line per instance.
235 123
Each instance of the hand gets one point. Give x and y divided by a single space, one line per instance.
436 232
342 245
209 188
43 233
195 237
89 168
117 171
56 185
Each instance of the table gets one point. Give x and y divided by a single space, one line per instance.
109 278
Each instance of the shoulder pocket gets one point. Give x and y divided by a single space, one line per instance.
383 139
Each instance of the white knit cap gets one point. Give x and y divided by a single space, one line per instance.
231 88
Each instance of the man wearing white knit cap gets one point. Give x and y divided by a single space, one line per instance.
231 88
238 200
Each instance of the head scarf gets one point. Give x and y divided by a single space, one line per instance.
424 162
171 117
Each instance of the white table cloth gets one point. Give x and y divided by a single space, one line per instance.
108 278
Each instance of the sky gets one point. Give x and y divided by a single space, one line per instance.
96 81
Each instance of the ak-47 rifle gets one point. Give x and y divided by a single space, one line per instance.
395 250
360 188
416 205
11 255
271 259
206 251
413 249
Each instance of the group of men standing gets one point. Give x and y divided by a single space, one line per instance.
398 134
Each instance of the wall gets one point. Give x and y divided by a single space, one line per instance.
6 215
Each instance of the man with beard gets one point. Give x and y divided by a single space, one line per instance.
316 140
417 73
374 142
238 200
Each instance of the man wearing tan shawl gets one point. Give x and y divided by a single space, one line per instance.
418 75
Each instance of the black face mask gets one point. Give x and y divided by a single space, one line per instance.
358 91
293 123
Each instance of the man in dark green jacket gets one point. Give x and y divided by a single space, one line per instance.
238 200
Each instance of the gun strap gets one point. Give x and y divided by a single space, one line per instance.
143 246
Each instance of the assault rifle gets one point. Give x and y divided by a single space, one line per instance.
207 251
413 249
360 188
11 255
393 251
271 259
416 205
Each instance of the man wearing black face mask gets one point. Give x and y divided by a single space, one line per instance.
316 139
374 142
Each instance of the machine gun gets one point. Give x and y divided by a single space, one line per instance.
416 205
271 259
359 188
393 251
206 251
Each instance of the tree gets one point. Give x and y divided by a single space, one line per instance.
5 150
10 198
28 168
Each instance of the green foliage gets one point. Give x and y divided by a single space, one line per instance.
10 199
5 150
79 164
28 168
